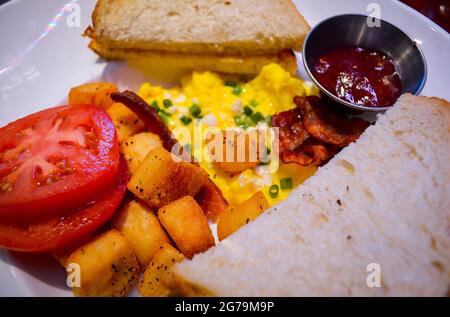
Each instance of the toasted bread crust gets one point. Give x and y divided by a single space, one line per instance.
229 64
120 24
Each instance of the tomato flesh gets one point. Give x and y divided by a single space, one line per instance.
57 233
55 160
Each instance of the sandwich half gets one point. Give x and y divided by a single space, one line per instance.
374 221
230 36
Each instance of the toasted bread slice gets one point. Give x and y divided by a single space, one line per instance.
229 64
246 27
374 221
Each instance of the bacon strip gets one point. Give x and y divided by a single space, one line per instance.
312 133
313 152
291 129
328 125
147 115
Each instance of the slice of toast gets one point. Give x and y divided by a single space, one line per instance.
227 64
245 27
374 221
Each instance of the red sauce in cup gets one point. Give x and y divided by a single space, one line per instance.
360 76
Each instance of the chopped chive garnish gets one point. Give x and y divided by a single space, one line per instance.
237 90
257 117
195 110
248 111
286 183
230 83
167 103
253 103
185 120
165 116
155 105
243 122
273 191
162 112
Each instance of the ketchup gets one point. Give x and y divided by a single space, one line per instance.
358 75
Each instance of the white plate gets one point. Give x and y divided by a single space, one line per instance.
43 54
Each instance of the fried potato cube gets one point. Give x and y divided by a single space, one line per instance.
239 151
211 200
160 180
126 121
97 94
108 266
141 227
62 255
136 148
156 281
237 216
187 225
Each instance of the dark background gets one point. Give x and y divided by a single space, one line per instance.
436 10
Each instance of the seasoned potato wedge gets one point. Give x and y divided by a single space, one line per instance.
187 225
98 94
125 121
211 200
160 180
156 280
237 216
136 148
108 266
142 229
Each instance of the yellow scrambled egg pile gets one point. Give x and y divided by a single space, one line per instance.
221 102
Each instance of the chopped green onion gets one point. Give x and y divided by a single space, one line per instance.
273 191
253 103
248 111
185 120
230 83
268 120
195 110
155 105
243 122
257 117
167 103
286 183
237 90
164 116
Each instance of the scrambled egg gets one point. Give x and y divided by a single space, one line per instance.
221 102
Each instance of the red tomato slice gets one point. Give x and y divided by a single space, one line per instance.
55 160
57 233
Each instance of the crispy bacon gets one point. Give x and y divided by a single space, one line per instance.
292 132
313 152
327 124
312 133
147 115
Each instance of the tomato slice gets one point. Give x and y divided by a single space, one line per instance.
55 160
57 233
